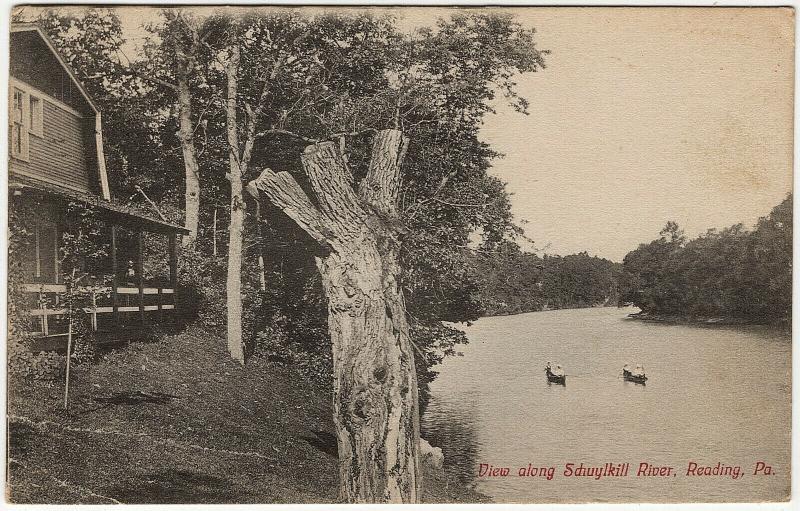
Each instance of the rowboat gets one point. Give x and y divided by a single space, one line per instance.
555 375
636 375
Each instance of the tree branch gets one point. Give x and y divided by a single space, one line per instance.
254 114
284 192
353 133
329 177
415 207
459 205
381 186
275 131
153 79
150 201
309 140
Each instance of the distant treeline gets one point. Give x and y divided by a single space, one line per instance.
730 274
511 281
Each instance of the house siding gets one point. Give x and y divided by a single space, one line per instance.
59 157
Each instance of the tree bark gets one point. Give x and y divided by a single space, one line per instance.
191 168
375 387
238 209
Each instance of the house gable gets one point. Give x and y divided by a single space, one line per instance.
67 150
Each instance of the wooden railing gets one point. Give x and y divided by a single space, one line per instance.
47 306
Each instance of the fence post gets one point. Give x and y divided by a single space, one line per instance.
43 308
140 271
94 310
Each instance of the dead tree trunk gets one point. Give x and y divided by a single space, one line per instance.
375 387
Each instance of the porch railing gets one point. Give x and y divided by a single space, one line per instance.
47 302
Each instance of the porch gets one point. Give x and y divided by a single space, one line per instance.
133 285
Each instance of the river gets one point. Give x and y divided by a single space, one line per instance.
714 395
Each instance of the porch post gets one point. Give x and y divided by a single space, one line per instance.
114 270
161 295
43 307
140 271
173 273
173 262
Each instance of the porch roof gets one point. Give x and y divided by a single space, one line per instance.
119 214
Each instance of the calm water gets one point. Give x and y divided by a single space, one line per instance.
715 394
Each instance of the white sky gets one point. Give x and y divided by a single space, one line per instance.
649 115
642 116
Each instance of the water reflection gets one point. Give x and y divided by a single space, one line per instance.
453 428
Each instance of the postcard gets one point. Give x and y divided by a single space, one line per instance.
410 254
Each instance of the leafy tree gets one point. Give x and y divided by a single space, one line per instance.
358 219
732 273
513 281
647 270
176 56
81 249
355 90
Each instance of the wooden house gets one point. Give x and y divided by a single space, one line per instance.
56 160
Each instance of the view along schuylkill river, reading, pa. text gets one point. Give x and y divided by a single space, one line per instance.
409 254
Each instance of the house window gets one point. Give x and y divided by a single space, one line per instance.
20 118
36 116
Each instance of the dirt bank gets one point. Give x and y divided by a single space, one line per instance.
176 421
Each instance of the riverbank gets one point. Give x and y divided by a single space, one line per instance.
499 314
177 421
703 320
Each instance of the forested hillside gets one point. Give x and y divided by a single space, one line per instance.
734 273
511 281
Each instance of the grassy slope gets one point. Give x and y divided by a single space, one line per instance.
231 434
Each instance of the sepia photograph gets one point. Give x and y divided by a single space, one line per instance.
408 254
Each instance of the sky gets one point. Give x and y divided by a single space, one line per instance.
643 115
649 115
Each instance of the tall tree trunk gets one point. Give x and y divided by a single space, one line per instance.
375 386
191 168
239 162
238 209
234 280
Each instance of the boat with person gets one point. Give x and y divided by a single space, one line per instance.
555 374
635 375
